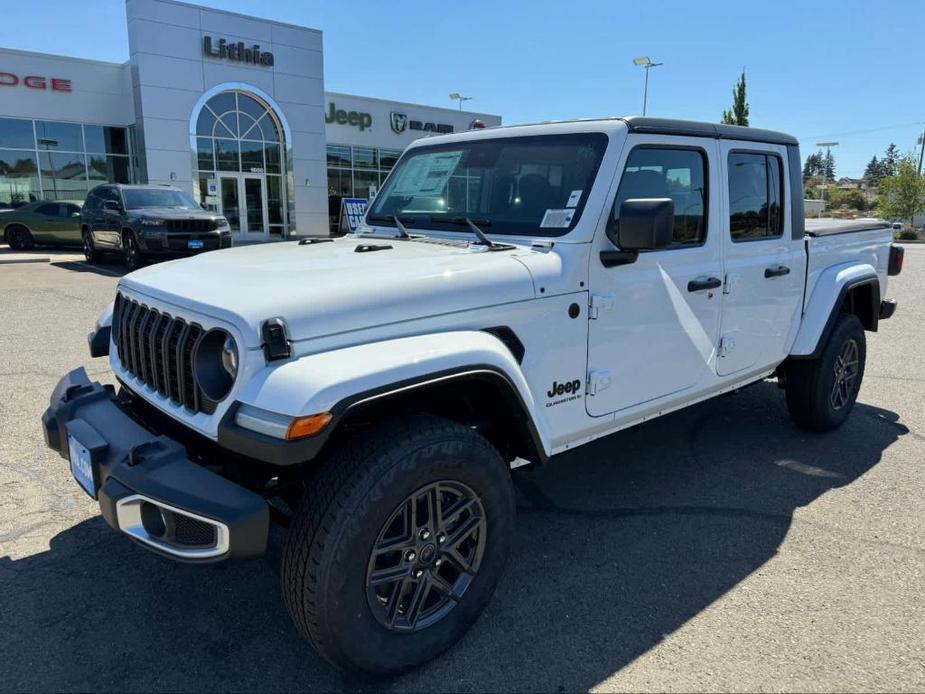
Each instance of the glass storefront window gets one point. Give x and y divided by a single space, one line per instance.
275 199
105 140
340 183
387 158
364 158
363 181
111 169
339 155
19 178
64 137
226 155
252 157
16 132
205 158
272 158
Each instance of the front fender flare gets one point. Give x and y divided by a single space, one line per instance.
339 380
822 309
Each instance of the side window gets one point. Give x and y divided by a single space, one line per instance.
92 202
68 209
49 210
756 196
664 172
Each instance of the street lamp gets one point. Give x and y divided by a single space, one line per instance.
456 96
828 148
645 62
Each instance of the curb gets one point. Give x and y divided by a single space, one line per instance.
15 261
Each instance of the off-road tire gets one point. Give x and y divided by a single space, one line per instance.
91 253
811 383
356 490
19 238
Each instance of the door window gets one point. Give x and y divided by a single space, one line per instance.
679 174
755 196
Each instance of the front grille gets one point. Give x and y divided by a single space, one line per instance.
191 224
158 349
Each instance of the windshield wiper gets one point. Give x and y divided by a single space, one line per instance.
402 231
401 228
484 240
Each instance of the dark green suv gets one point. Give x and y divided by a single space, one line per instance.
145 222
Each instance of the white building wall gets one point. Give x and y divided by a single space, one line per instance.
100 93
380 133
170 73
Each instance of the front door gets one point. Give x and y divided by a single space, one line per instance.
764 265
243 202
655 322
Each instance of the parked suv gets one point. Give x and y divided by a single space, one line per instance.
148 221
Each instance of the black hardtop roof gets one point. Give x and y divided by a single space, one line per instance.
717 131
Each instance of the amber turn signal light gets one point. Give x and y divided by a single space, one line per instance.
303 427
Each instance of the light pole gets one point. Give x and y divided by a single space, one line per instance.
828 150
645 62
456 96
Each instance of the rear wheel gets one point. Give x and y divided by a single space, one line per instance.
821 392
91 254
398 544
20 238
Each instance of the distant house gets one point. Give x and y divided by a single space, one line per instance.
846 183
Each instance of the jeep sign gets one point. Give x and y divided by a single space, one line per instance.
358 119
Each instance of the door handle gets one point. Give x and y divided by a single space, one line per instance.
778 271
701 284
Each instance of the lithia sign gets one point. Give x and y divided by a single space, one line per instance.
236 52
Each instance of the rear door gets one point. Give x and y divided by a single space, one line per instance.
764 266
655 321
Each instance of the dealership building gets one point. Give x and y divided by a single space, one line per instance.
229 107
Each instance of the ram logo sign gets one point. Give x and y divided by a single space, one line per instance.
399 122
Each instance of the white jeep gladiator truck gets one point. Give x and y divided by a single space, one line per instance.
515 292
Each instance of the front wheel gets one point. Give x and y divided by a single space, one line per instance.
398 544
20 239
821 392
130 253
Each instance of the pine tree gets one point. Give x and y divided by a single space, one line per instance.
828 166
890 161
739 113
874 171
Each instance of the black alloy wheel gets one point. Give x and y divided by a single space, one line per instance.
426 556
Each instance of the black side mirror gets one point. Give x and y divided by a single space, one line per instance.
112 206
203 206
645 224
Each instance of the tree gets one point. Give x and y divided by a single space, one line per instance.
739 113
874 172
902 196
828 166
814 166
890 161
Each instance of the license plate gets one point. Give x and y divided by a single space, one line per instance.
194 243
81 465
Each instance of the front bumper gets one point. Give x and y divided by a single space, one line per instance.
147 486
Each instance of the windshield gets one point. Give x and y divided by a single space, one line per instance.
140 198
534 186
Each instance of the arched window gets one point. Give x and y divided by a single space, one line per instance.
238 133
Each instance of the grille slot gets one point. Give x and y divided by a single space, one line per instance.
190 224
158 350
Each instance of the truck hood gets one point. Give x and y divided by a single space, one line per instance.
326 288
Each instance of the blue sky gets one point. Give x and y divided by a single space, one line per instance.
849 71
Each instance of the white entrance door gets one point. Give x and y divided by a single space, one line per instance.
243 202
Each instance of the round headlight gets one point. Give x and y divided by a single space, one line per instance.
215 364
230 357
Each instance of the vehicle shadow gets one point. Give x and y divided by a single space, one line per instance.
618 544
109 268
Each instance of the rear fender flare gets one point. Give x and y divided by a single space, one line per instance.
833 285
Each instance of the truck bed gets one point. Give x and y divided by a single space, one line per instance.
829 227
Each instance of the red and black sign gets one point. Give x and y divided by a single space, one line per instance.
55 84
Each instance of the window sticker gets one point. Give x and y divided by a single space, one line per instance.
557 219
426 174
574 198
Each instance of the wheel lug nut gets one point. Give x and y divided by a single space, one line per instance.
441 538
410 556
418 573
438 562
425 534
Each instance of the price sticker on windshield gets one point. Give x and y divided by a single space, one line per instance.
557 219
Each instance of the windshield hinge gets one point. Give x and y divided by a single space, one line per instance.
598 380
599 302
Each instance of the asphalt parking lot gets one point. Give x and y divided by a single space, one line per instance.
718 548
